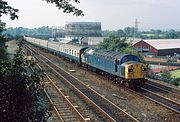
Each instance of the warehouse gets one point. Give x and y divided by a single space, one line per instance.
159 47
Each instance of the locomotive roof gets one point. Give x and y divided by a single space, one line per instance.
104 53
73 47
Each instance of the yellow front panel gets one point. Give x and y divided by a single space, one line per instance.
136 71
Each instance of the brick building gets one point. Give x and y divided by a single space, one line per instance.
159 47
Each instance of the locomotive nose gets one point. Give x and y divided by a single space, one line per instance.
136 70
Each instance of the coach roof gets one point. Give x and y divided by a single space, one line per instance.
73 47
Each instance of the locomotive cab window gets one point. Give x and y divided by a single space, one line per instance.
130 70
123 71
130 58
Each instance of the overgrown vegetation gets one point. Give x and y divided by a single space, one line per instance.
21 98
117 44
167 77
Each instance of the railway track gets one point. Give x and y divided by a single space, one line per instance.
174 96
168 88
98 103
164 95
64 110
56 116
168 103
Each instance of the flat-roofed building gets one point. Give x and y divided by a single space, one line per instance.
77 30
159 47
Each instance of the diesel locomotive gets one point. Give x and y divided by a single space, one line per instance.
126 69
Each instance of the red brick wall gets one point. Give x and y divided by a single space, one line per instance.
142 44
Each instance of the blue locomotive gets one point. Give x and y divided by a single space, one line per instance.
126 69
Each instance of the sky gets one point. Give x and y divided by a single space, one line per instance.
113 14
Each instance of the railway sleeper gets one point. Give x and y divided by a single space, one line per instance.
72 120
69 111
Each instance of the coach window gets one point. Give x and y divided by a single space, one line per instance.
75 53
72 52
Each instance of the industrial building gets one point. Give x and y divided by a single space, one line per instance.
159 47
79 30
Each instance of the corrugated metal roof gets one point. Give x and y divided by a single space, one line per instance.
164 43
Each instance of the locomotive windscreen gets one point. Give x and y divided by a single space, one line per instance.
129 58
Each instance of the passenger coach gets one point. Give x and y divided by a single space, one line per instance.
124 68
72 52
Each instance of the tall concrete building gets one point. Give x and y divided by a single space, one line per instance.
78 30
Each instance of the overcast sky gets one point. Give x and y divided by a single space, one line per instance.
113 14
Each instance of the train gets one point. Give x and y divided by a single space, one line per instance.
126 69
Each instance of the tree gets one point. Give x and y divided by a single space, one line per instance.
171 34
67 6
120 33
8 10
129 31
114 43
21 91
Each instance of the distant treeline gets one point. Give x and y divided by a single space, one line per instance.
46 32
151 34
